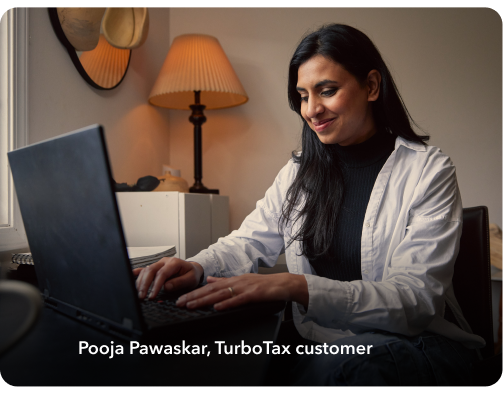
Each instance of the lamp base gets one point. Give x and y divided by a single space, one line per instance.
200 189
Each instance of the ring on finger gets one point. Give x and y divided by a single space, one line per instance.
231 290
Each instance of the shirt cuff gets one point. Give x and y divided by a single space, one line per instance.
209 264
329 302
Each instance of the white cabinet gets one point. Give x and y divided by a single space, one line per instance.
191 222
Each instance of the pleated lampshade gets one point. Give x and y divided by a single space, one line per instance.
197 62
105 64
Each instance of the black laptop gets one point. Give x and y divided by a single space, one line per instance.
65 190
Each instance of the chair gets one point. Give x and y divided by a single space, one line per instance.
472 287
472 275
20 305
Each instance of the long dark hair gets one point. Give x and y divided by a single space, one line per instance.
317 191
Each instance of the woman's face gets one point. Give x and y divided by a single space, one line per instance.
334 103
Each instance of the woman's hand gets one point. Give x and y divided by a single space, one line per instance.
172 273
248 288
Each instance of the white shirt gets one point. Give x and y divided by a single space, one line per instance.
410 240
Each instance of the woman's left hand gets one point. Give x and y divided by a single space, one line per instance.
235 291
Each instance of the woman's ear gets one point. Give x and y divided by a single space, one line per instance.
373 85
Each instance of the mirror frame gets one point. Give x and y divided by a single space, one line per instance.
58 30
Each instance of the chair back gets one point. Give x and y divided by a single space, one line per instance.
20 306
472 275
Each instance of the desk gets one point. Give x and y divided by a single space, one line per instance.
48 356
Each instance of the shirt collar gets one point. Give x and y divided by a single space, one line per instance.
409 144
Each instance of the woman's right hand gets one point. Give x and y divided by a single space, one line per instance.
172 273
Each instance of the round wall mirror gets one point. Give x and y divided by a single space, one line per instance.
103 67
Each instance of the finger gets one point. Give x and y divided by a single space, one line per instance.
188 280
209 300
211 279
137 271
146 278
199 293
137 281
167 271
232 302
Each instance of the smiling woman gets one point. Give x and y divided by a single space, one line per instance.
342 89
369 218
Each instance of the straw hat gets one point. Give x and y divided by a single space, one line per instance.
81 26
495 245
126 28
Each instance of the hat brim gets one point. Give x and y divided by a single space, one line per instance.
81 26
126 28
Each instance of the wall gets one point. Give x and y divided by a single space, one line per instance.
446 63
60 100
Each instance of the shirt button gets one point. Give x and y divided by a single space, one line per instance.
365 271
367 224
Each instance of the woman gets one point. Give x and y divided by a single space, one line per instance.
369 218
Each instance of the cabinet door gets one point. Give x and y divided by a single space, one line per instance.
150 218
195 223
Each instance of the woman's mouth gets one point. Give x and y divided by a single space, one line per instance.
319 126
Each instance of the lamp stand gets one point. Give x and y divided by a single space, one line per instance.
197 118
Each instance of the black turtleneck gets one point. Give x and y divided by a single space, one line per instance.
360 165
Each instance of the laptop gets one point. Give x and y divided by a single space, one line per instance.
65 190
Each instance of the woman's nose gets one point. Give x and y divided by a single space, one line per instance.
314 108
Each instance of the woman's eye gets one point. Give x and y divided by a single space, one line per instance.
329 92
324 93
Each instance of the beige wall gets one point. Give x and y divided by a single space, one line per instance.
446 63
61 101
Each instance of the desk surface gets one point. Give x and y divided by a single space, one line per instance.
49 355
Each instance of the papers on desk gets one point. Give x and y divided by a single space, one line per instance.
22 258
138 256
143 256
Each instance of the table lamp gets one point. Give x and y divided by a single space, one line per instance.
197 75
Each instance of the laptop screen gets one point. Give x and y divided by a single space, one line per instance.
73 225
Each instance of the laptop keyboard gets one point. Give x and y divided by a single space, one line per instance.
166 311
